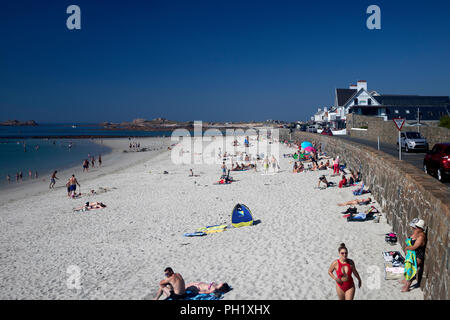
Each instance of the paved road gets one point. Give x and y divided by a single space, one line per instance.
415 158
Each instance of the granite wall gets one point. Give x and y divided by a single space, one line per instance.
404 192
388 132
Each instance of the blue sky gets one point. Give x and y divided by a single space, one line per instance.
212 60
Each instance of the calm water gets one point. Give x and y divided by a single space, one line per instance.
44 156
62 129
49 154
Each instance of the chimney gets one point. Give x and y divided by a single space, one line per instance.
362 84
353 86
325 109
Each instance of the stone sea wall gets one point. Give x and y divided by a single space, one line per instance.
388 132
404 192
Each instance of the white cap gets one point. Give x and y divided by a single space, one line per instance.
420 224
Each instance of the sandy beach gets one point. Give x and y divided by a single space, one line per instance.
122 250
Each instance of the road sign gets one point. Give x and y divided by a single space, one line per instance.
399 122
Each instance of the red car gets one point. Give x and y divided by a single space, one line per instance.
327 132
437 161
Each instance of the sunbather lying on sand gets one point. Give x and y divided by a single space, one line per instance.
204 287
361 202
325 181
91 205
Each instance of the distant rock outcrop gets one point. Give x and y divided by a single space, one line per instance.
18 123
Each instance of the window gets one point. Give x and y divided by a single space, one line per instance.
407 111
396 111
369 102
355 101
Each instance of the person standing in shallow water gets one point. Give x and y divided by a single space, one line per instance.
99 160
53 180
344 268
8 178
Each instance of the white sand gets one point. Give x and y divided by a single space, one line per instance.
123 249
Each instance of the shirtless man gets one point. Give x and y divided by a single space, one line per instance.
355 202
72 185
53 179
173 285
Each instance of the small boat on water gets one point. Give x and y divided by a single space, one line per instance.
74 126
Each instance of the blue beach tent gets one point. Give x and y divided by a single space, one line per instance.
241 216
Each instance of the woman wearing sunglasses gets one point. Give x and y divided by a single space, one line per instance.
344 268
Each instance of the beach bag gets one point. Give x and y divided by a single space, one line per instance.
391 238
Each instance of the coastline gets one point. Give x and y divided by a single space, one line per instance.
112 161
121 250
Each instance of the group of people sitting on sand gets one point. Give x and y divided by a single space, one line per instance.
174 287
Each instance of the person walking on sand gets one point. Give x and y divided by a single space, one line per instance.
99 160
275 165
17 177
224 169
266 165
336 165
52 180
72 185
20 176
86 165
35 174
344 268
172 286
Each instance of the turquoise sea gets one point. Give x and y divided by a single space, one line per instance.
19 152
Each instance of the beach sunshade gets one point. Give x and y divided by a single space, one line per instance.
241 216
306 144
310 149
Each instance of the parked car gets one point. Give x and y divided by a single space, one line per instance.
437 161
327 132
412 140
311 129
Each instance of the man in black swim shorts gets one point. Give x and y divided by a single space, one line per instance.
173 286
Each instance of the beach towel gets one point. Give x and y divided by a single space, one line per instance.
359 191
213 229
393 273
192 295
195 234
410 262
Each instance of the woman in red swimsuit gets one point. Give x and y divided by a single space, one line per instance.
344 268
